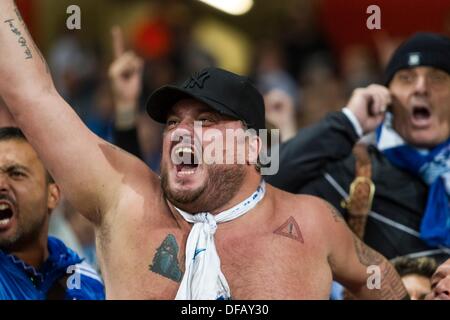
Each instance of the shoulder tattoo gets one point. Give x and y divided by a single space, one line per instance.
334 212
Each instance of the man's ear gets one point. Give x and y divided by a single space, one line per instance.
254 148
53 197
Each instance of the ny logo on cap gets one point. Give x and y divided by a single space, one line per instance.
197 79
414 59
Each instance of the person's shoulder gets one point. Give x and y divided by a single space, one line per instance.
306 215
305 206
311 201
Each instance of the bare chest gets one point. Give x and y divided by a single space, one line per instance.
270 267
149 264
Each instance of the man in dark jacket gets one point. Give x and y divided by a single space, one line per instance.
409 159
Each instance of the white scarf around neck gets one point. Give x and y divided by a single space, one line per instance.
203 278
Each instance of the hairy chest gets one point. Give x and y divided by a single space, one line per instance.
149 264
274 267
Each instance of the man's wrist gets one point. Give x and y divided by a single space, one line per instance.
354 121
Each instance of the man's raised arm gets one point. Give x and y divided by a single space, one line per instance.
90 171
362 270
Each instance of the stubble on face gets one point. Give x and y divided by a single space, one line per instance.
221 185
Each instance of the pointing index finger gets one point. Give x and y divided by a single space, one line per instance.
118 41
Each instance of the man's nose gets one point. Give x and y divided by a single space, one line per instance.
4 183
421 85
184 132
186 125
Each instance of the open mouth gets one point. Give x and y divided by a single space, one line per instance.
6 213
186 160
421 115
443 296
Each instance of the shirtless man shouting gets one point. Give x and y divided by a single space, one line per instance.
202 231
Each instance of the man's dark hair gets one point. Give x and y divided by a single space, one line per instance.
423 266
8 133
13 133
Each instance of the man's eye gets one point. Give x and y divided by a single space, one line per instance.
433 284
17 174
171 123
405 77
438 77
206 121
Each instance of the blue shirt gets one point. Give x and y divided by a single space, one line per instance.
19 281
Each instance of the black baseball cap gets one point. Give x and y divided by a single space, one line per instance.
226 92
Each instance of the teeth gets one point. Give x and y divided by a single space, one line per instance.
4 222
183 150
4 206
186 172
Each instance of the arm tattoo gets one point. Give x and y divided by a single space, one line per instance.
391 284
290 229
19 16
28 54
20 37
165 261
334 212
366 255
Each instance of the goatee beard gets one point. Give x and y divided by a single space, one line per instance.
221 186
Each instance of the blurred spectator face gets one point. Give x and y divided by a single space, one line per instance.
422 105
204 186
323 92
26 197
440 283
418 286
358 67
280 107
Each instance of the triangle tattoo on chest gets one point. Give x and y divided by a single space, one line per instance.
290 229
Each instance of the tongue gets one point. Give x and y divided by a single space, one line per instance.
421 114
185 167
